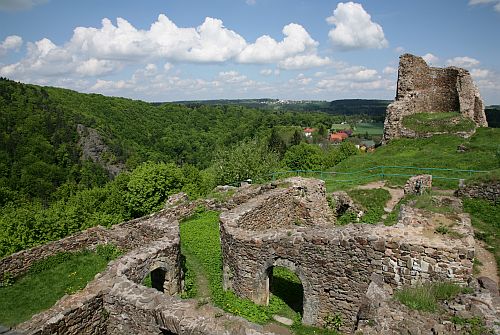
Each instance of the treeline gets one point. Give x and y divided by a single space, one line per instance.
47 191
351 110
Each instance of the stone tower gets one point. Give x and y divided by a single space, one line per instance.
424 89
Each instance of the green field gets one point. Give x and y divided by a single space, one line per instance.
375 128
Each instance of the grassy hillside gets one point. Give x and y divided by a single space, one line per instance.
440 151
450 122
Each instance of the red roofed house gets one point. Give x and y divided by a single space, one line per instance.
336 137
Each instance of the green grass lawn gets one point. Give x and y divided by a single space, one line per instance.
48 280
373 202
438 122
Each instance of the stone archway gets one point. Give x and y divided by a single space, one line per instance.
158 279
163 278
309 306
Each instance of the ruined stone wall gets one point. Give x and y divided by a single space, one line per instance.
335 264
489 191
126 236
424 89
115 302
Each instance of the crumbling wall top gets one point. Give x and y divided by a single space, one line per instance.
424 89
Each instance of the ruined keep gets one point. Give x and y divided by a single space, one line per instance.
424 89
292 226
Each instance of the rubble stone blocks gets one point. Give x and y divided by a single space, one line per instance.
334 263
424 89
116 302
418 184
484 190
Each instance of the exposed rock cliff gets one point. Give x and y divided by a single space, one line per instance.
95 149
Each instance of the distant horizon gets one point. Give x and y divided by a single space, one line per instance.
287 49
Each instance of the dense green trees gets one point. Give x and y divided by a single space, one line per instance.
47 191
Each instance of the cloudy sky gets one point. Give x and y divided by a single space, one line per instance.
167 50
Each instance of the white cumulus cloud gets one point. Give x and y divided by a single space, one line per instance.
480 73
354 28
266 72
389 70
302 62
95 67
430 59
12 42
466 62
231 77
496 3
267 50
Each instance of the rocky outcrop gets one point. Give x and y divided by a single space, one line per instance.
95 149
424 89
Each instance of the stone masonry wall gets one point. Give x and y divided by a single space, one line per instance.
489 191
335 264
115 302
424 89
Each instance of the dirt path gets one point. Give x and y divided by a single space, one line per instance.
277 329
489 267
396 193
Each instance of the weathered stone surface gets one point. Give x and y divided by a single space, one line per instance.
115 302
423 89
489 191
489 284
350 270
418 184
335 264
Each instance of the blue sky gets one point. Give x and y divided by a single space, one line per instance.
290 49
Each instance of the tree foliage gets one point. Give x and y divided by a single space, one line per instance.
246 160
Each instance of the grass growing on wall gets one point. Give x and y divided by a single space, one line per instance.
48 280
485 217
425 297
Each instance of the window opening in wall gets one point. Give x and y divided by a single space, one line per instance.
286 285
155 279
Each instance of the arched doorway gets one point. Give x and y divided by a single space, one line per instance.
155 279
287 286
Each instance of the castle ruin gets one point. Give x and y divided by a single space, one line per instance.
424 89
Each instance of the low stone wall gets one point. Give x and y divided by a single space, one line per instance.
335 264
489 191
115 302
126 236
418 184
